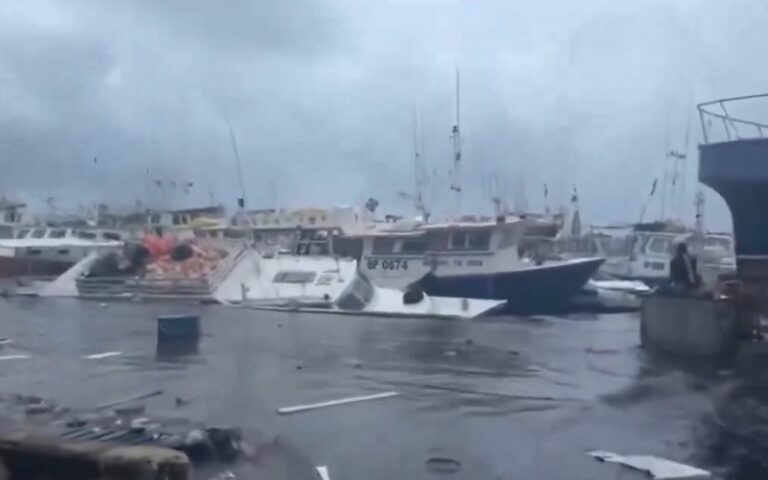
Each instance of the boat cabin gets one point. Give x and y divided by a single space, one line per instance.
398 258
11 217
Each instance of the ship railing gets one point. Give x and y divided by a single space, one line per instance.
719 124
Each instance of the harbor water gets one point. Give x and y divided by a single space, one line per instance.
505 397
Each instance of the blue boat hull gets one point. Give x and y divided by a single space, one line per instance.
546 288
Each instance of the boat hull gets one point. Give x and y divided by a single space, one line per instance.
546 288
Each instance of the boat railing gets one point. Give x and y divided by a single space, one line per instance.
719 124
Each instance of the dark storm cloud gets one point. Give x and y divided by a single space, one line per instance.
321 95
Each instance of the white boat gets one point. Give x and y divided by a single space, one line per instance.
611 296
646 256
480 258
323 284
49 251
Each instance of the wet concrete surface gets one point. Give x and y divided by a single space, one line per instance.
505 397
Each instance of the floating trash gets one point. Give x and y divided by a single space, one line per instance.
322 472
655 467
332 403
13 357
443 465
99 356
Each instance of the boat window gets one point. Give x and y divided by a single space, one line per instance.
85 235
57 233
480 240
111 236
22 233
660 246
413 245
34 251
63 251
38 233
294 277
459 241
383 245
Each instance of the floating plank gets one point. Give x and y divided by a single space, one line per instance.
140 396
658 468
322 472
333 403
99 356
13 357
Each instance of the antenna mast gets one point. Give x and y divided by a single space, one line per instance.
456 139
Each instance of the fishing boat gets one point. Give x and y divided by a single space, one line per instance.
645 254
324 284
480 258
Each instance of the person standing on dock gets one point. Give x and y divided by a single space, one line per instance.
682 269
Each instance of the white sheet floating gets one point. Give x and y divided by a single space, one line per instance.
659 468
322 472
13 357
333 403
99 356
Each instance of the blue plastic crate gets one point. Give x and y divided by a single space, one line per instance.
178 327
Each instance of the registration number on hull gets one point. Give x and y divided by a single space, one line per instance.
387 264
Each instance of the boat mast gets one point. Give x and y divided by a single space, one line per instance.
699 203
419 175
241 200
456 139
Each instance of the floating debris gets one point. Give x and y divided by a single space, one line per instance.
322 472
443 465
130 409
133 398
39 408
99 356
333 403
226 475
5 341
14 357
659 468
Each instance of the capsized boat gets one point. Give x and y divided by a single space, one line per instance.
324 284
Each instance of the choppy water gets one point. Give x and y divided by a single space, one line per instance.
505 397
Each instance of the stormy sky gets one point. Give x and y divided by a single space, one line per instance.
101 101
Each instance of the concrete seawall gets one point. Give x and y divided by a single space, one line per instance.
688 326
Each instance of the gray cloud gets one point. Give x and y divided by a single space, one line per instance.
321 95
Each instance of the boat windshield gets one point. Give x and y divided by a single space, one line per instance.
38 233
22 233
57 233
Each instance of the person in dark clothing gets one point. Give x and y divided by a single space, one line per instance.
682 269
